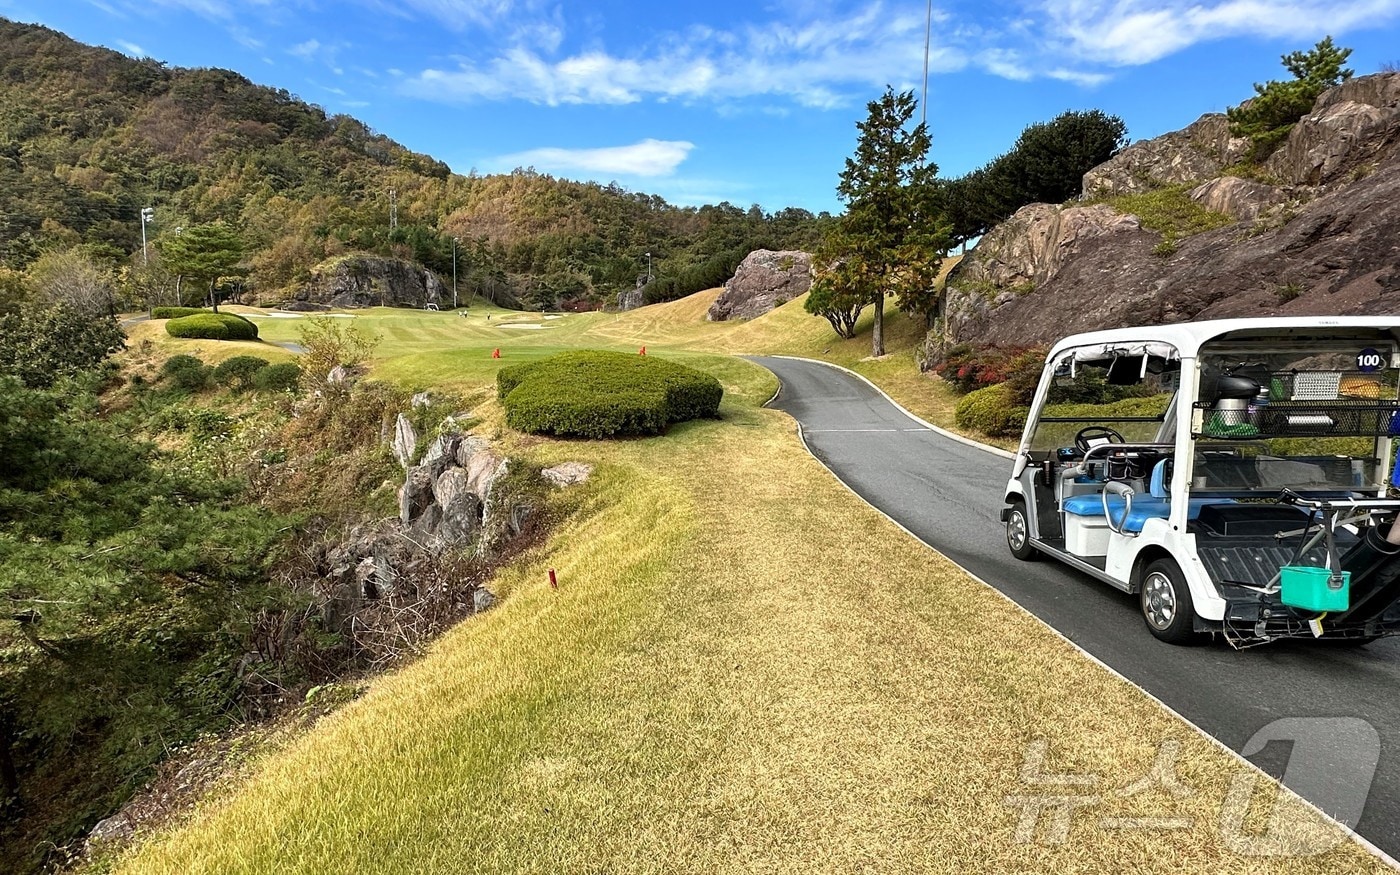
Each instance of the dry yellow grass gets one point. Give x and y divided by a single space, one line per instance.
744 669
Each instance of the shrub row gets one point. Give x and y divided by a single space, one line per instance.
969 368
175 312
186 373
599 394
212 326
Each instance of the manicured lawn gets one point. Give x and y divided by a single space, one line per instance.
744 669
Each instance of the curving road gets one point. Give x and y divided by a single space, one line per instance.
950 496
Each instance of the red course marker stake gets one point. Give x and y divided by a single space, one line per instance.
642 351
553 584
496 354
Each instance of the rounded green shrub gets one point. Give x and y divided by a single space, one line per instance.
212 326
991 410
598 394
185 373
282 377
238 372
175 312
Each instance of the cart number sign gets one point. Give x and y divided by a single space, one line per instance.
1369 360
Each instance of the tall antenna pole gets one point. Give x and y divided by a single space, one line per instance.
394 202
928 35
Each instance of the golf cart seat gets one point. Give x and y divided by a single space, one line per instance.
1156 504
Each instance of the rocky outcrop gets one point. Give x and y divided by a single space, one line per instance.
1240 199
1198 152
765 279
1340 255
1352 128
1317 232
1028 249
369 281
633 299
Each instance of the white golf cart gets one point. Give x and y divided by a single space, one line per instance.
1233 473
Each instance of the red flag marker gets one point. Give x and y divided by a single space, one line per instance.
642 351
496 354
553 583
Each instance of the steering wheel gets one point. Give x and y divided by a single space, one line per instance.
1096 432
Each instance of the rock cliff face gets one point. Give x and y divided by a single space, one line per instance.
369 281
1316 232
764 280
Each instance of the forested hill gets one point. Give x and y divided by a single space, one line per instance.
88 137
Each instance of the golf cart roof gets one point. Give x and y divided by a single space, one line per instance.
1185 339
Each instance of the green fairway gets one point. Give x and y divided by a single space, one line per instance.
744 669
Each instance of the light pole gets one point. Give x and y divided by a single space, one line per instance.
455 241
648 267
147 214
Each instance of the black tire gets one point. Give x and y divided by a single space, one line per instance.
1166 603
1018 532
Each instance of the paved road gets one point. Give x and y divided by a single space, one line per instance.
950 495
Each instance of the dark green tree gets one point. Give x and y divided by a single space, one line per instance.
1046 165
1276 107
39 344
889 241
206 254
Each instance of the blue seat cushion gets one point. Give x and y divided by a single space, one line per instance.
1145 507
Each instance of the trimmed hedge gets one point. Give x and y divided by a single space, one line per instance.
212 326
598 394
175 312
282 377
991 410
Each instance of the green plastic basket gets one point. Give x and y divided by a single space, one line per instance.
1309 588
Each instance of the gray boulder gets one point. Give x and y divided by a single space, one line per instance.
405 441
416 494
764 280
371 281
567 473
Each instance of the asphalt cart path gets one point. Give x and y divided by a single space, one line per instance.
949 494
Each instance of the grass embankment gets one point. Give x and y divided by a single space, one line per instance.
744 669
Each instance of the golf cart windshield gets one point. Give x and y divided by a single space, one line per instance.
1310 416
1127 391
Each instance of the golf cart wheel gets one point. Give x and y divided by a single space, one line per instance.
1166 603
1018 532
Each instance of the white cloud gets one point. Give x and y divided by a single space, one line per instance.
649 158
1120 33
816 63
131 49
306 51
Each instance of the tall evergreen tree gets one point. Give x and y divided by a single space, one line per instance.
890 241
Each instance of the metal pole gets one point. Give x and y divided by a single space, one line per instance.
648 267
454 273
928 34
146 214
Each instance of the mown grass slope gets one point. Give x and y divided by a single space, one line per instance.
744 669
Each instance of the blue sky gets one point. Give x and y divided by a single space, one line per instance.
744 102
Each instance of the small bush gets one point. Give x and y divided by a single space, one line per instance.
185 373
212 326
175 312
277 378
991 410
239 372
599 394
